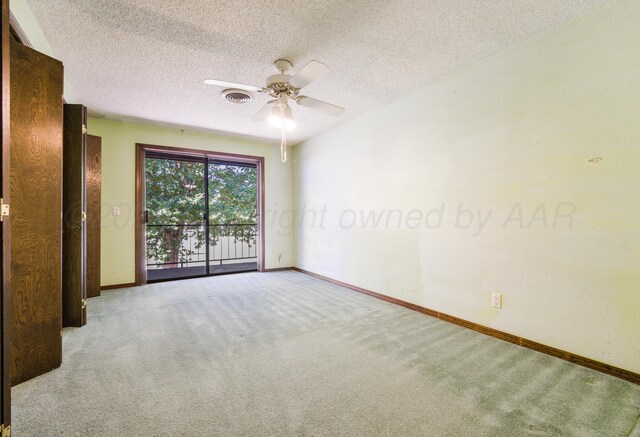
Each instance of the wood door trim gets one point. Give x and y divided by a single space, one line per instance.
199 153
117 286
140 271
140 202
5 293
511 338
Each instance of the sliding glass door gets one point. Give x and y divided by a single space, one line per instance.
233 228
175 217
200 216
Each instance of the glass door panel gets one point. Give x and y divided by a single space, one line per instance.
233 206
175 217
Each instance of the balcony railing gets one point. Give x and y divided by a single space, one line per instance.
185 244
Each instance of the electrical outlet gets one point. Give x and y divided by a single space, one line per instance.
496 300
116 211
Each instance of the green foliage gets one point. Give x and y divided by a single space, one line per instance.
175 191
175 195
232 194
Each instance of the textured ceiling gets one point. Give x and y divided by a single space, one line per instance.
146 59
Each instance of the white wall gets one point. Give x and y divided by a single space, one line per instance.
513 133
118 189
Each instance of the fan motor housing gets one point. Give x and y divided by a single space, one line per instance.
277 78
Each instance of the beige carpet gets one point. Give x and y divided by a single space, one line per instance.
284 354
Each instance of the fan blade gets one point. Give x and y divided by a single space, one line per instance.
310 72
319 105
224 84
263 112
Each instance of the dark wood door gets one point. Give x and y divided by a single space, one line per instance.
94 177
74 265
36 213
5 254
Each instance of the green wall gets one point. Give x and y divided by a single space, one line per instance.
118 189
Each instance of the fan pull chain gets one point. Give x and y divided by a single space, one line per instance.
283 144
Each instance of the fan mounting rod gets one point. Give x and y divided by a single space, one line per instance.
282 65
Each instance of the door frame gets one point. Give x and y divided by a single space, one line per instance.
5 232
231 158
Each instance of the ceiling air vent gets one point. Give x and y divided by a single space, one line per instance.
236 96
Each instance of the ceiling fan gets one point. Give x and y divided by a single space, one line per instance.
283 87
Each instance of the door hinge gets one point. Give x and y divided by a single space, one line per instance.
4 211
84 129
84 303
83 216
6 431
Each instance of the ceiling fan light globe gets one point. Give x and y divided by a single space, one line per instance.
288 113
276 121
